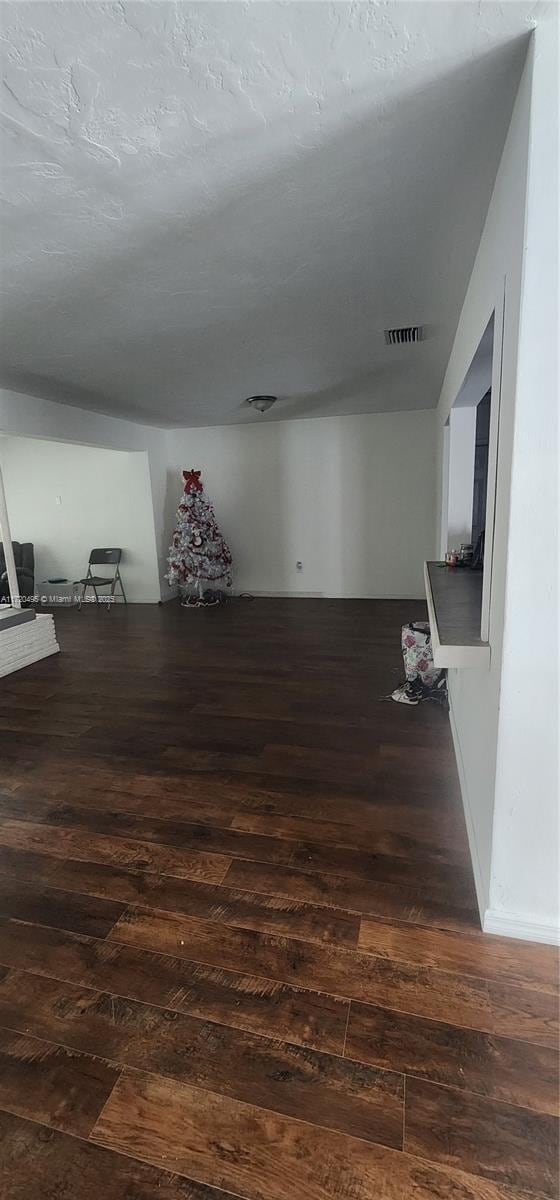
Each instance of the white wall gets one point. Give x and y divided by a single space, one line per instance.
474 696
352 498
283 492
31 416
104 499
514 857
525 875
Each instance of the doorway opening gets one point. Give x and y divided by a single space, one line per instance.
470 465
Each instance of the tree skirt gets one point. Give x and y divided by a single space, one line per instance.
202 601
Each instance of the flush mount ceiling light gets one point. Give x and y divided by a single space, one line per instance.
261 403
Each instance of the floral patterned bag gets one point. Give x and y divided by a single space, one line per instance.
423 681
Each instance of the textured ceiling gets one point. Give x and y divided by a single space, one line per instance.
205 201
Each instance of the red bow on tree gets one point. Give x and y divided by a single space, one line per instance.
192 481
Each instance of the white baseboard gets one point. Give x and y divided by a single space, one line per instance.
258 592
281 595
516 926
151 599
481 896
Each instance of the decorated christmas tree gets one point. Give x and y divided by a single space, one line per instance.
199 558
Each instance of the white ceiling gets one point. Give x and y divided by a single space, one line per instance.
204 201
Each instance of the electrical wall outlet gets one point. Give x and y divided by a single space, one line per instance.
299 566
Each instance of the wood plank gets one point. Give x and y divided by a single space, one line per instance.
183 803
443 838
531 1016
387 844
67 842
445 881
500 1142
442 767
438 995
51 1084
371 809
341 972
307 732
281 761
348 810
486 956
28 901
342 1095
304 725
500 1068
229 906
262 1156
62 778
365 897
319 764
22 722
182 834
446 844
26 864
209 735
37 1162
233 998
24 804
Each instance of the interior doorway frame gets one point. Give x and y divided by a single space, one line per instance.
6 539
496 314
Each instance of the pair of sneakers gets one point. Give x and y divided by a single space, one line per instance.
413 691
410 692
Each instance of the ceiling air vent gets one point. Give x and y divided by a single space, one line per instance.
404 335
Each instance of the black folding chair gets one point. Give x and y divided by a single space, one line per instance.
112 557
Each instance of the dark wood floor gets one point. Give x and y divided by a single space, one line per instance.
239 947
